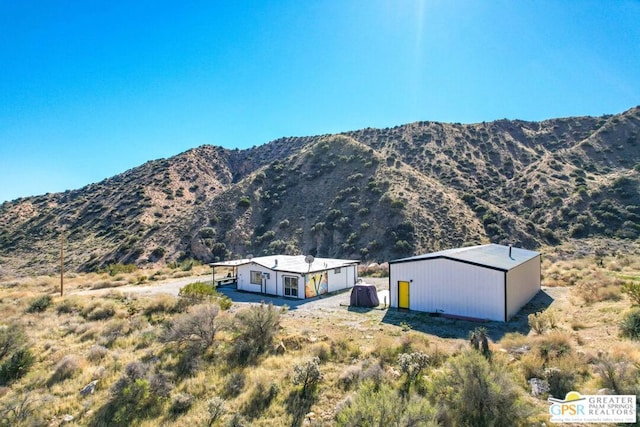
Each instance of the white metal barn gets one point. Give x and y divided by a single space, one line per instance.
490 282
293 276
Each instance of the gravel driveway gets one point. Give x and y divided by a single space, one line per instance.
173 286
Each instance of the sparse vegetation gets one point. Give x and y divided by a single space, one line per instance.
170 360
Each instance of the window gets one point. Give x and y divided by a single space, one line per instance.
256 277
290 286
337 270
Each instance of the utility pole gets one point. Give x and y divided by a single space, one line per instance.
61 262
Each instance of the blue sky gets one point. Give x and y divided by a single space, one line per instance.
89 89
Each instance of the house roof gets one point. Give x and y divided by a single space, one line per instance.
492 256
290 263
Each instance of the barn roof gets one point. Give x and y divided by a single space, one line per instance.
290 263
491 255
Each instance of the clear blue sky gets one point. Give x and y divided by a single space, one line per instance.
89 89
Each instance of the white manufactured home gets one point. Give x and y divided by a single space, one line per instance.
488 282
294 276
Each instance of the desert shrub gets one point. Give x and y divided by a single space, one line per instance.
532 365
196 327
237 420
39 304
97 353
136 396
369 370
199 292
307 375
618 374
161 303
255 327
65 369
215 409
135 402
349 377
554 346
322 351
538 322
632 289
181 403
473 392
244 202
234 384
381 405
630 324
479 341
189 361
114 330
118 268
12 337
412 365
260 399
16 366
561 381
18 412
68 305
99 310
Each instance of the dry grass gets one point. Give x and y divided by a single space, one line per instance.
84 338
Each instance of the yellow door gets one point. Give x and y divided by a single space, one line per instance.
403 294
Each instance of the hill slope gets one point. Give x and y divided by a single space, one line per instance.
372 194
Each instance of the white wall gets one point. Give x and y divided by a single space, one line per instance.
347 278
450 287
244 278
523 283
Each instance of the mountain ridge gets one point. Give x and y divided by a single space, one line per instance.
370 194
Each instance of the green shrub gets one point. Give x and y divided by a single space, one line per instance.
561 381
199 292
307 375
66 306
617 374
136 396
381 405
473 392
39 304
541 321
412 365
12 337
16 366
255 328
633 290
479 341
244 202
118 268
630 325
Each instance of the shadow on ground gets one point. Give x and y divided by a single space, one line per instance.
456 328
255 298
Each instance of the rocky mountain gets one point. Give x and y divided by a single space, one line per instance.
371 194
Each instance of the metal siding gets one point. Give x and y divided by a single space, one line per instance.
450 287
523 283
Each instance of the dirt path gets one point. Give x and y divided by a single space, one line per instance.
168 286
